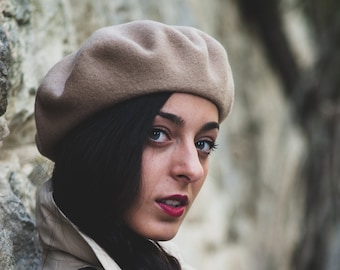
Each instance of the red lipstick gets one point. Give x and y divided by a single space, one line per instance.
173 205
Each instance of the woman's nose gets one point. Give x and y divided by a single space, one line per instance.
187 164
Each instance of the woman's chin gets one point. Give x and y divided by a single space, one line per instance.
161 236
166 238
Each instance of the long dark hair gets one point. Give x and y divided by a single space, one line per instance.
97 177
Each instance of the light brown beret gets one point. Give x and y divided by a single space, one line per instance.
124 61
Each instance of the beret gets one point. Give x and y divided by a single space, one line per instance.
120 62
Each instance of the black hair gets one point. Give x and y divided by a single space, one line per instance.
97 175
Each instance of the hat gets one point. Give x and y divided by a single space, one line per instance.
121 62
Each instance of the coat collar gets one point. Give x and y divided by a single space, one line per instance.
58 235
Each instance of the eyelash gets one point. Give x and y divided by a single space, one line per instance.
160 130
212 145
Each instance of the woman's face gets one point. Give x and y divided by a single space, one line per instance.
174 165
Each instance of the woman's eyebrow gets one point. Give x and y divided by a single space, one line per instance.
210 126
173 118
180 121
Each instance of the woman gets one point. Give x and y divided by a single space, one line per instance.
129 120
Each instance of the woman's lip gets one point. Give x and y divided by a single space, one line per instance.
166 204
183 199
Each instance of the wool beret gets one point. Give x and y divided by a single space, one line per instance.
124 61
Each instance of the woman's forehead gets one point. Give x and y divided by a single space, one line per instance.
187 106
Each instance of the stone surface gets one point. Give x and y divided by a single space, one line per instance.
19 248
5 59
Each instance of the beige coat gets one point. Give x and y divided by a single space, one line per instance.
64 246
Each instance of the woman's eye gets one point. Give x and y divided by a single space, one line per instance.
158 135
205 146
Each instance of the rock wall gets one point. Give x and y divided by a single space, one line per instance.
248 214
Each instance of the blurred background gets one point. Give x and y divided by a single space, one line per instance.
271 201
